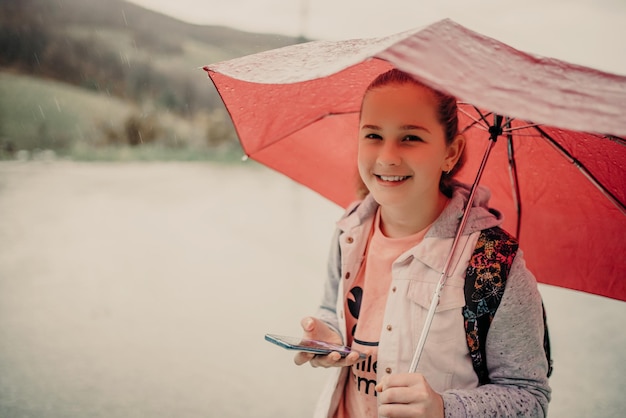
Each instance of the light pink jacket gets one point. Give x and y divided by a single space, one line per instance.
515 357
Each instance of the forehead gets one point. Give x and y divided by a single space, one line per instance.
403 98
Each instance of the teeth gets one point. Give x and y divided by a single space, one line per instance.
393 178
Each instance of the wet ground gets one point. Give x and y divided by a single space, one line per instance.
145 289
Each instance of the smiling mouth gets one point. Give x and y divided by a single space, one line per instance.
392 178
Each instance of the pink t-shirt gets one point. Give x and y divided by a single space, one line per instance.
365 308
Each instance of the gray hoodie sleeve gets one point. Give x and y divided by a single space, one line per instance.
516 359
327 311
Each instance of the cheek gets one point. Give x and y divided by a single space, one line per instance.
364 159
364 169
362 166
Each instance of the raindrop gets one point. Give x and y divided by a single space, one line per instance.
124 16
125 59
56 101
43 115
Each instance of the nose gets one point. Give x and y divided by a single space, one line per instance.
389 154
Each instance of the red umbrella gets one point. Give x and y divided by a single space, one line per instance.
556 170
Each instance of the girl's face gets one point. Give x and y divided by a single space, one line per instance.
402 149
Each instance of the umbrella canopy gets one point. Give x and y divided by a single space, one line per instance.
556 172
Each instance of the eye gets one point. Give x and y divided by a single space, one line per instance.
373 136
412 138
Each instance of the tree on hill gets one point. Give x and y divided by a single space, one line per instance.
39 37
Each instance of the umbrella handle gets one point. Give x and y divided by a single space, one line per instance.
495 130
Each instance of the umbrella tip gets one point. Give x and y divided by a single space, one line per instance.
245 157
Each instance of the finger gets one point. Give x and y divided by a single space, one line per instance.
383 383
330 360
352 359
401 380
399 410
402 388
301 358
398 395
335 359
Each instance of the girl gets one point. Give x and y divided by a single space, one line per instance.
388 254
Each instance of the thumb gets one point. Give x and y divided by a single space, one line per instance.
308 324
381 384
316 329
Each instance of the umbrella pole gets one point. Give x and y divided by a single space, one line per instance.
517 200
495 130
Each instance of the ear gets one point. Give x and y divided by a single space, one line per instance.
454 152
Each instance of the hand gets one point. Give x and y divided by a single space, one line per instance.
314 329
408 395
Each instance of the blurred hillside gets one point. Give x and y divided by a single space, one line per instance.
105 78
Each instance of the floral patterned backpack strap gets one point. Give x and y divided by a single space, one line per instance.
485 281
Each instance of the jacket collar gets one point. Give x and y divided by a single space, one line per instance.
445 226
437 243
357 213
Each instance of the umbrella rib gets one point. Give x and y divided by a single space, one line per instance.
528 135
471 125
472 117
475 121
517 128
583 170
482 117
304 126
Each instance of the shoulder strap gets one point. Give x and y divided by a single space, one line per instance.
485 281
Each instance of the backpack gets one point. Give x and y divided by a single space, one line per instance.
485 281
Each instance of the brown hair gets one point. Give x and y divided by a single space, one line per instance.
447 114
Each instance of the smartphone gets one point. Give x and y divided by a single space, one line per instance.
310 346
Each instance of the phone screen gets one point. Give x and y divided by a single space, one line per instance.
309 346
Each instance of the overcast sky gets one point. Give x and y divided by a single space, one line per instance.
586 32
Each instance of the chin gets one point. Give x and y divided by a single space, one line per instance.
387 198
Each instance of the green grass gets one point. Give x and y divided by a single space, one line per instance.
38 114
